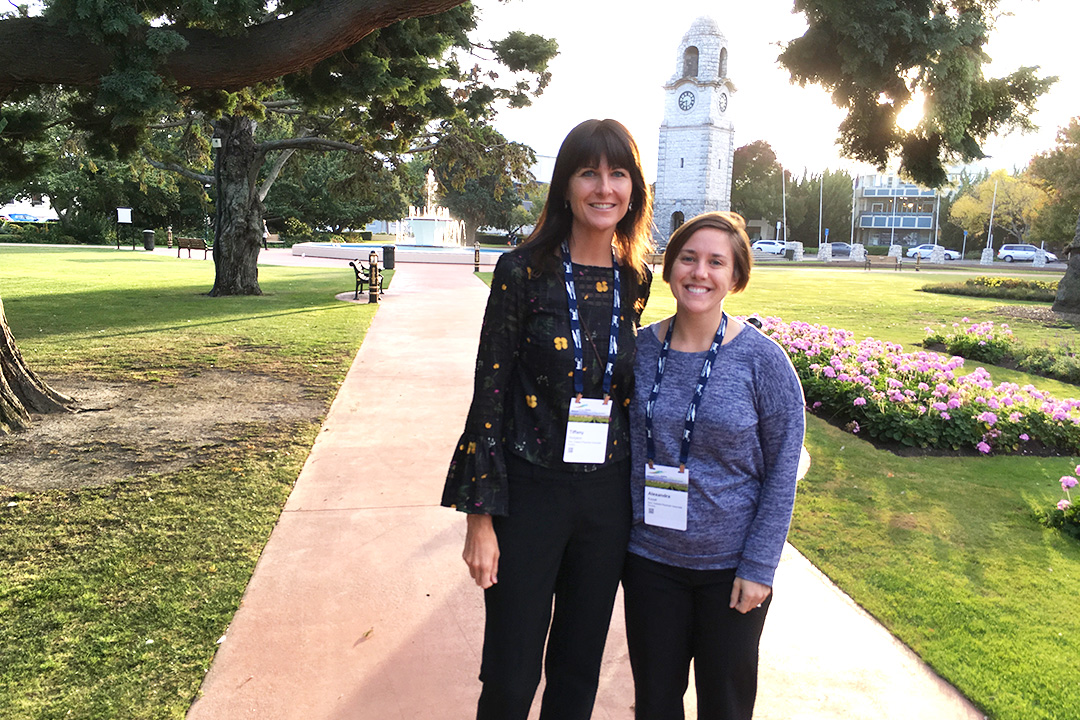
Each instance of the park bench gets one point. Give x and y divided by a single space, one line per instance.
189 244
883 261
272 239
654 259
363 277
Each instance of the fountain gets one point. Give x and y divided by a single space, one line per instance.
432 226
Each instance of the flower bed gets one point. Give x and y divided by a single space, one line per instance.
1005 288
1066 516
983 342
921 399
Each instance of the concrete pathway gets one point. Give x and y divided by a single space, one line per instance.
360 607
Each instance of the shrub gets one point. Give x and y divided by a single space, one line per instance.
1065 516
981 342
1003 288
921 399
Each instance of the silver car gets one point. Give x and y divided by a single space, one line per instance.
1009 253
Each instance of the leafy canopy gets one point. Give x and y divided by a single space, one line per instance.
877 56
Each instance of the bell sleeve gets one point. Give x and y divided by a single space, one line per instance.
476 481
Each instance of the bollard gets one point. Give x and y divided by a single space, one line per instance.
918 259
373 277
476 256
168 236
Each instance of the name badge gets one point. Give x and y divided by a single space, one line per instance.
666 492
587 430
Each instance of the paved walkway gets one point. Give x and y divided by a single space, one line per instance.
360 607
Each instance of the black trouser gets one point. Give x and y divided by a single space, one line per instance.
565 537
674 614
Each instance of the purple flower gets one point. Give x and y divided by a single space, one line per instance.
1025 437
1064 505
983 448
1067 481
859 401
946 416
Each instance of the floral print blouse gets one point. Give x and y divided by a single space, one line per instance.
525 375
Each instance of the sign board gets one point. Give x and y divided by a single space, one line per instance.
123 215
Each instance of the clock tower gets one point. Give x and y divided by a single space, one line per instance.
693 173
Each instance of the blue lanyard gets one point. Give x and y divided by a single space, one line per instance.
691 412
575 325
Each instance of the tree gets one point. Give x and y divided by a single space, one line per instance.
480 173
195 63
1014 201
1058 171
876 57
755 182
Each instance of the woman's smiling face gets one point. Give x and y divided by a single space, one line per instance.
599 196
704 272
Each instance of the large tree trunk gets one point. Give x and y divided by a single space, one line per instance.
1068 293
238 231
21 390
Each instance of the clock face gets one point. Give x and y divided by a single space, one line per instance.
722 102
686 100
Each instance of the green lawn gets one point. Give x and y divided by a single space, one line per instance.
945 551
112 599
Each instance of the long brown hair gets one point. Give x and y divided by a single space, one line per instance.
585 146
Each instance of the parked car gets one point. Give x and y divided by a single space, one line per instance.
23 217
1009 253
770 246
841 249
923 252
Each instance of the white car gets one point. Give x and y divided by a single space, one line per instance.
770 246
1009 253
923 252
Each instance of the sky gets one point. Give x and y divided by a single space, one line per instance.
613 62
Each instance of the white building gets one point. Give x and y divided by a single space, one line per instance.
693 173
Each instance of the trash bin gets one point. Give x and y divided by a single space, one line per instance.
148 239
789 254
388 257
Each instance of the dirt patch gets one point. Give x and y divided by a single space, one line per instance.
1040 314
125 429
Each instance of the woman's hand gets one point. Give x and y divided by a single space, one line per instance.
747 595
481 550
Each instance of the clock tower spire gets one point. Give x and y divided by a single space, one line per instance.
693 173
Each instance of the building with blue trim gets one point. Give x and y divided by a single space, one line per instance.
889 211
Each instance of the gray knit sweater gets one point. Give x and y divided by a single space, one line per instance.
743 460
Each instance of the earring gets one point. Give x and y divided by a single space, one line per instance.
566 205
631 206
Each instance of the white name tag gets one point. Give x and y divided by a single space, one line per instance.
586 431
666 492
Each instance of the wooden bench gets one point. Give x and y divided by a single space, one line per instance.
654 259
272 239
189 244
363 277
883 261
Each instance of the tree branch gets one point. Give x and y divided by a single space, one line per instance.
308 143
181 170
35 52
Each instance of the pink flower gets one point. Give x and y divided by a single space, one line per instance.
829 372
859 401
816 405
983 448
1025 437
1068 481
1064 505
946 416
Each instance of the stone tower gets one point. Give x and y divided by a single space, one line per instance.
696 137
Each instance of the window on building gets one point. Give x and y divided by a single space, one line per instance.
677 219
682 162
723 63
689 62
877 207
